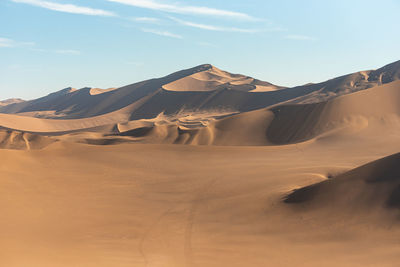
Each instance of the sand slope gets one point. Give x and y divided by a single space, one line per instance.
171 205
366 112
263 181
213 78
350 83
368 189
23 141
10 101
202 88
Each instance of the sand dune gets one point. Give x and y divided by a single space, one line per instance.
350 83
213 78
52 126
198 169
23 141
371 109
283 124
202 88
10 101
348 115
170 205
97 91
370 190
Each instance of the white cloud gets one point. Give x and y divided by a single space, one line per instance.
6 42
146 20
163 33
68 8
68 52
183 9
300 37
213 27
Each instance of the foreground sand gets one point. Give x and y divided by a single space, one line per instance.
174 205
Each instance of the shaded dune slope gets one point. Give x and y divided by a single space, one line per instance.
350 83
244 129
10 101
88 102
202 88
368 110
83 103
147 112
373 108
371 187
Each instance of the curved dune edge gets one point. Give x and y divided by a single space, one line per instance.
49 126
54 126
367 111
370 189
212 78
23 141
244 129
98 91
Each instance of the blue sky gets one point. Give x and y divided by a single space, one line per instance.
47 45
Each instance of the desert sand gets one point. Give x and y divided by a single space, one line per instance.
204 168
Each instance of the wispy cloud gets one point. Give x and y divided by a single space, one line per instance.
6 42
163 33
68 8
68 51
184 9
146 20
214 27
300 37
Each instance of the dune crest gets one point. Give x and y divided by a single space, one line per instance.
372 189
212 78
198 169
204 88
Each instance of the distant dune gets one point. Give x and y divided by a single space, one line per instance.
213 78
11 101
281 124
202 88
207 106
204 168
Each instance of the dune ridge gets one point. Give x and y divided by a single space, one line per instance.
282 124
160 173
213 79
373 188
199 89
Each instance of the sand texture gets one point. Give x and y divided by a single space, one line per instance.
204 168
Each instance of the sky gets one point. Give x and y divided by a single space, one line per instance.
48 45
